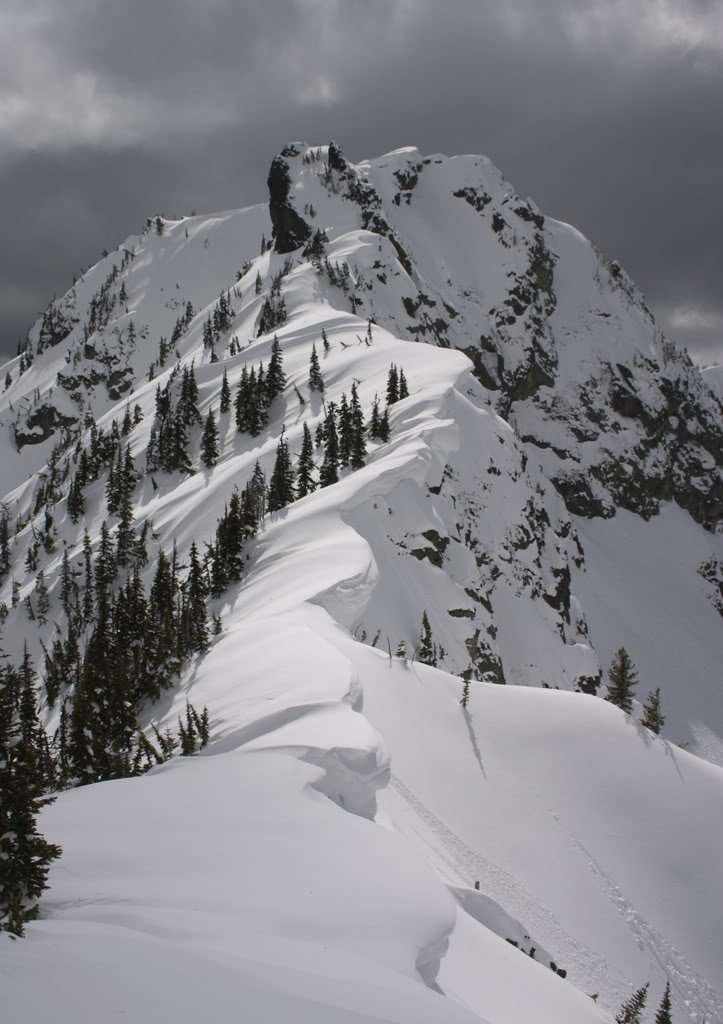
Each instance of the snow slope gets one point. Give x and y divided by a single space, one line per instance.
319 859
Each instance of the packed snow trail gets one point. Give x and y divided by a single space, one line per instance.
586 969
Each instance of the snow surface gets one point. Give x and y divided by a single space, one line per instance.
318 861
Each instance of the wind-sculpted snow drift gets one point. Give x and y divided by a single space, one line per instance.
524 501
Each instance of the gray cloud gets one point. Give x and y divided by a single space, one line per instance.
606 113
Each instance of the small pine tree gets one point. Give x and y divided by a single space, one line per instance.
358 452
632 1008
664 1013
281 484
305 482
403 387
329 472
384 432
653 717
392 385
209 441
159 226
225 404
346 431
325 340
43 603
316 381
427 647
275 378
401 651
623 677
466 675
25 855
257 285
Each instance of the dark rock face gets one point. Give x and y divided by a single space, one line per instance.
40 425
290 229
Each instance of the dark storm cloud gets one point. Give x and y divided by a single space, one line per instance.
607 113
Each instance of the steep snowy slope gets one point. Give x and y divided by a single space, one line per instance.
231 880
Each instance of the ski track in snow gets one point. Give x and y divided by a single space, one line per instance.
696 997
586 969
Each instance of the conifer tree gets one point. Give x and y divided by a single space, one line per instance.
325 340
275 377
392 385
664 1012
427 647
623 677
4 544
346 431
653 717
329 472
374 420
465 688
126 486
225 404
257 285
25 855
43 598
281 484
384 432
209 441
358 440
67 584
316 381
305 482
76 499
194 622
188 401
632 1008
403 387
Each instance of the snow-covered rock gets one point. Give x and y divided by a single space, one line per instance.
542 498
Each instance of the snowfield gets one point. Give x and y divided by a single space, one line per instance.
317 861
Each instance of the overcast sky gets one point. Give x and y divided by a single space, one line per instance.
608 112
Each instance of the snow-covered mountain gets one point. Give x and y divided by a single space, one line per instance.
548 492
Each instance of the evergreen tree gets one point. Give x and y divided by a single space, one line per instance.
25 855
664 1012
159 226
392 385
76 500
325 340
374 420
384 432
623 677
257 285
316 381
177 455
43 598
209 441
194 624
4 544
329 472
632 1008
427 647
225 395
346 431
241 400
358 440
653 717
188 401
275 378
67 584
465 688
281 484
403 387
305 482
